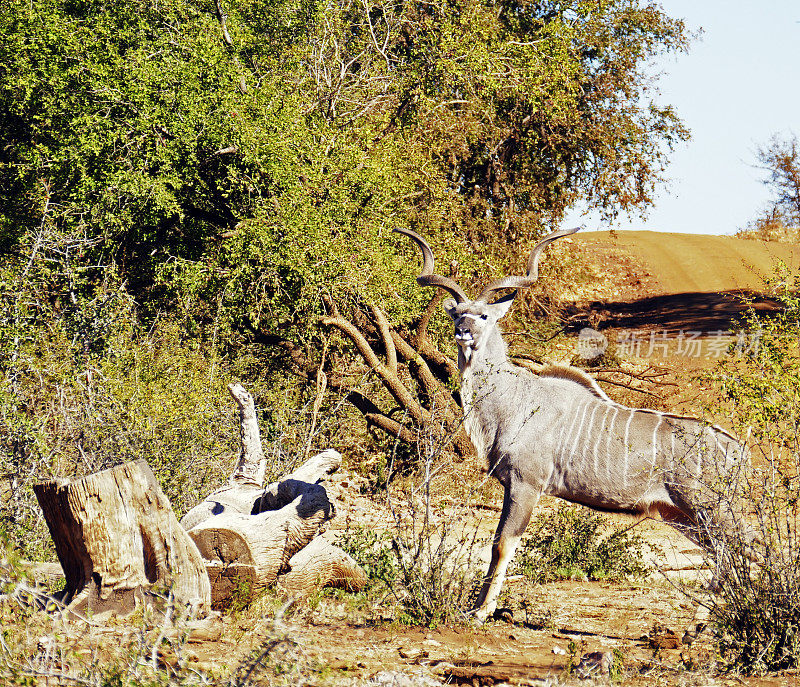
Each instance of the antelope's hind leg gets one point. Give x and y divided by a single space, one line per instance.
695 533
518 503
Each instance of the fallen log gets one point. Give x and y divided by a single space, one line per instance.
250 536
244 553
321 564
120 544
267 540
288 488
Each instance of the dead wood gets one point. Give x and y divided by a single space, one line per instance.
423 366
321 564
247 534
288 488
267 540
246 484
119 542
252 464
435 393
245 553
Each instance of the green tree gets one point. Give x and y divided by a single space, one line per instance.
236 167
780 159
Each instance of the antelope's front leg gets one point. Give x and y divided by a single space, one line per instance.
518 503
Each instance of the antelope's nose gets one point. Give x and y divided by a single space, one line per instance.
463 336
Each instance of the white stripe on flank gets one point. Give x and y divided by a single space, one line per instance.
609 457
568 438
560 438
589 428
577 435
627 449
722 449
599 438
655 438
672 441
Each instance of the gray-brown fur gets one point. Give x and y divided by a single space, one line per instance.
558 433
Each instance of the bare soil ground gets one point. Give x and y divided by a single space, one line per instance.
664 281
640 282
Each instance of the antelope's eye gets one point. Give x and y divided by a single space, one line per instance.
483 317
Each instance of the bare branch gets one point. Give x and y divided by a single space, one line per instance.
390 379
222 16
386 336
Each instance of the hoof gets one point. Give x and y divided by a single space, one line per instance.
478 616
690 635
504 614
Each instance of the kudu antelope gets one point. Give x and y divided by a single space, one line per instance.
558 433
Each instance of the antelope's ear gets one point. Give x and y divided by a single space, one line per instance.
501 307
450 307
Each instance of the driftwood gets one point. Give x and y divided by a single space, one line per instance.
321 564
119 542
246 484
267 540
251 537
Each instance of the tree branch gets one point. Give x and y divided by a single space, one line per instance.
390 379
386 336
222 16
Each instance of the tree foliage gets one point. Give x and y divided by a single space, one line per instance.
248 157
235 167
780 159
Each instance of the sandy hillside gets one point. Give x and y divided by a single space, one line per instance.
697 263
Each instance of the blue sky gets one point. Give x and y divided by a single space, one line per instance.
739 85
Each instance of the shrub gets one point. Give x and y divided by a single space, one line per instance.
756 611
426 560
424 567
372 550
574 543
148 395
437 579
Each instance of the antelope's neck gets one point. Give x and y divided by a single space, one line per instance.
482 381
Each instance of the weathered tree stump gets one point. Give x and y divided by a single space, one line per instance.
119 542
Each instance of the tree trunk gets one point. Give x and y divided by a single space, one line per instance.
267 540
250 536
117 539
288 488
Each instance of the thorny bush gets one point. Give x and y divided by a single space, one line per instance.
756 611
575 543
